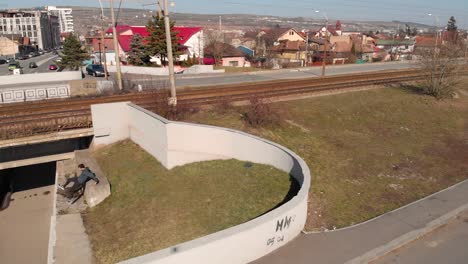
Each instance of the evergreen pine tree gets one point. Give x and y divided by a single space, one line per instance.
138 55
451 25
156 41
73 54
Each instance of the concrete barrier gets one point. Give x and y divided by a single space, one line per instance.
198 69
174 144
195 69
140 70
39 77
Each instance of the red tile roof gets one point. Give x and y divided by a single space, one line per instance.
183 34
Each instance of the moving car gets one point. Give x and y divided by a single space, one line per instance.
14 65
2 61
95 70
52 67
32 65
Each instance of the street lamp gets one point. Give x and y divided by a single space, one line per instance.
116 47
436 25
100 53
103 52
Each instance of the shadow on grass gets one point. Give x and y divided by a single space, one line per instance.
411 88
294 188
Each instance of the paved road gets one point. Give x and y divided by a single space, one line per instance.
448 245
219 79
357 242
25 224
42 61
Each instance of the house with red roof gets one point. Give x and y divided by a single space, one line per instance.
190 39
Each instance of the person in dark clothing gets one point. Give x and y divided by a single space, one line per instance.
78 182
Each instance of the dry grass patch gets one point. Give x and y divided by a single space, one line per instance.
152 208
369 152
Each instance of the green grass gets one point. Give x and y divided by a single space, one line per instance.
369 152
152 208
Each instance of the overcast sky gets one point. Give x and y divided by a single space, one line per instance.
403 10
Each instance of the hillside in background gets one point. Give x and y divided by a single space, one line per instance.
88 18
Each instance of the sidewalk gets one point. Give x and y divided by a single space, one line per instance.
374 238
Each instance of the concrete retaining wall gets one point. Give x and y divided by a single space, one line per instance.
174 144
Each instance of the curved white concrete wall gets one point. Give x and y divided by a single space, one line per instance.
174 144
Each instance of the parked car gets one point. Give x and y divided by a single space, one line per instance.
53 67
2 61
14 65
32 65
95 70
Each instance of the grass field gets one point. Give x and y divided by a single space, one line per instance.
152 208
369 152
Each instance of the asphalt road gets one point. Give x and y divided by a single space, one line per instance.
183 80
42 62
448 245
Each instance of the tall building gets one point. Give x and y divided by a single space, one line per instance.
41 29
65 17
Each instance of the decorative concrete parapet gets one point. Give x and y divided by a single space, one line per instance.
175 144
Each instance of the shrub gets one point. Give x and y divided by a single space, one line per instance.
259 113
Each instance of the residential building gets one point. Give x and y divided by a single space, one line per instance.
9 44
190 39
65 17
41 28
228 55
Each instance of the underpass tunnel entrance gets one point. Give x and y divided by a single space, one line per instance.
44 149
28 180
27 197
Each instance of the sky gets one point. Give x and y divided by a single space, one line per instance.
402 10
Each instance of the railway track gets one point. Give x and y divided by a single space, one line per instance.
26 119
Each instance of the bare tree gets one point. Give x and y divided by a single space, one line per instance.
442 65
214 46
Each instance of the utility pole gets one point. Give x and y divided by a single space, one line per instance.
173 99
103 51
307 48
116 46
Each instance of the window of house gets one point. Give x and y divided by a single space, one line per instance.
34 27
29 34
17 21
291 33
29 27
24 28
35 33
234 63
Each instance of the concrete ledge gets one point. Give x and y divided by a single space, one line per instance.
176 144
54 136
94 193
32 161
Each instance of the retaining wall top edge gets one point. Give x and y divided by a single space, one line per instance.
292 154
